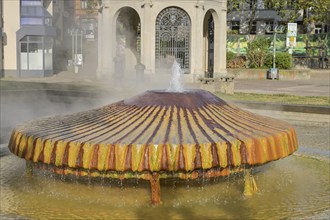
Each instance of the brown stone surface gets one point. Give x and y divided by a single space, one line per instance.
156 132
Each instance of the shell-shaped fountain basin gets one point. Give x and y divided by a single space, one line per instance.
156 131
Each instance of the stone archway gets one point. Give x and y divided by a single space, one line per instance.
128 41
209 44
173 27
208 35
183 40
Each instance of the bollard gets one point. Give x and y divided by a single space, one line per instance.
273 73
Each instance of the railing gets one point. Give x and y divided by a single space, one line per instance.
238 43
311 50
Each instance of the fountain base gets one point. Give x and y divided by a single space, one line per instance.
152 177
156 135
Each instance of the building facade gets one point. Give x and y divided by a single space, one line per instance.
2 39
86 23
253 16
27 25
86 15
155 32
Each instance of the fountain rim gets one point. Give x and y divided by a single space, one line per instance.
146 174
184 91
193 98
222 149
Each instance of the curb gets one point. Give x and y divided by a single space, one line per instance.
325 110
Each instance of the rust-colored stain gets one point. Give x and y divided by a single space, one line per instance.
153 132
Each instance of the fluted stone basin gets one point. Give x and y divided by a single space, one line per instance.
155 135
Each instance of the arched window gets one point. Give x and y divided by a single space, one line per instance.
172 38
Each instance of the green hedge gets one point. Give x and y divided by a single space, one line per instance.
238 43
283 60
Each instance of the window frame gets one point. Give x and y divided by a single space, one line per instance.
28 41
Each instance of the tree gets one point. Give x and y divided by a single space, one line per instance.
316 11
92 5
257 52
233 5
244 7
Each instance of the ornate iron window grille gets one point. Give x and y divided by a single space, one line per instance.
172 38
210 65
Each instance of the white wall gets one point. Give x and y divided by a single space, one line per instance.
11 25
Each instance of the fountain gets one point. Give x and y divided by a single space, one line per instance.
175 82
174 133
93 162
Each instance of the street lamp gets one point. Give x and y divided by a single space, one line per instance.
277 29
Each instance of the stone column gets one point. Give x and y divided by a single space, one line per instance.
220 44
107 43
147 38
197 43
99 46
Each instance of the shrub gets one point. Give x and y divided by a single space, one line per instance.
229 31
230 56
282 60
234 61
237 62
257 51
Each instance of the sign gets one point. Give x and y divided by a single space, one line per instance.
291 41
292 30
291 35
89 34
79 59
